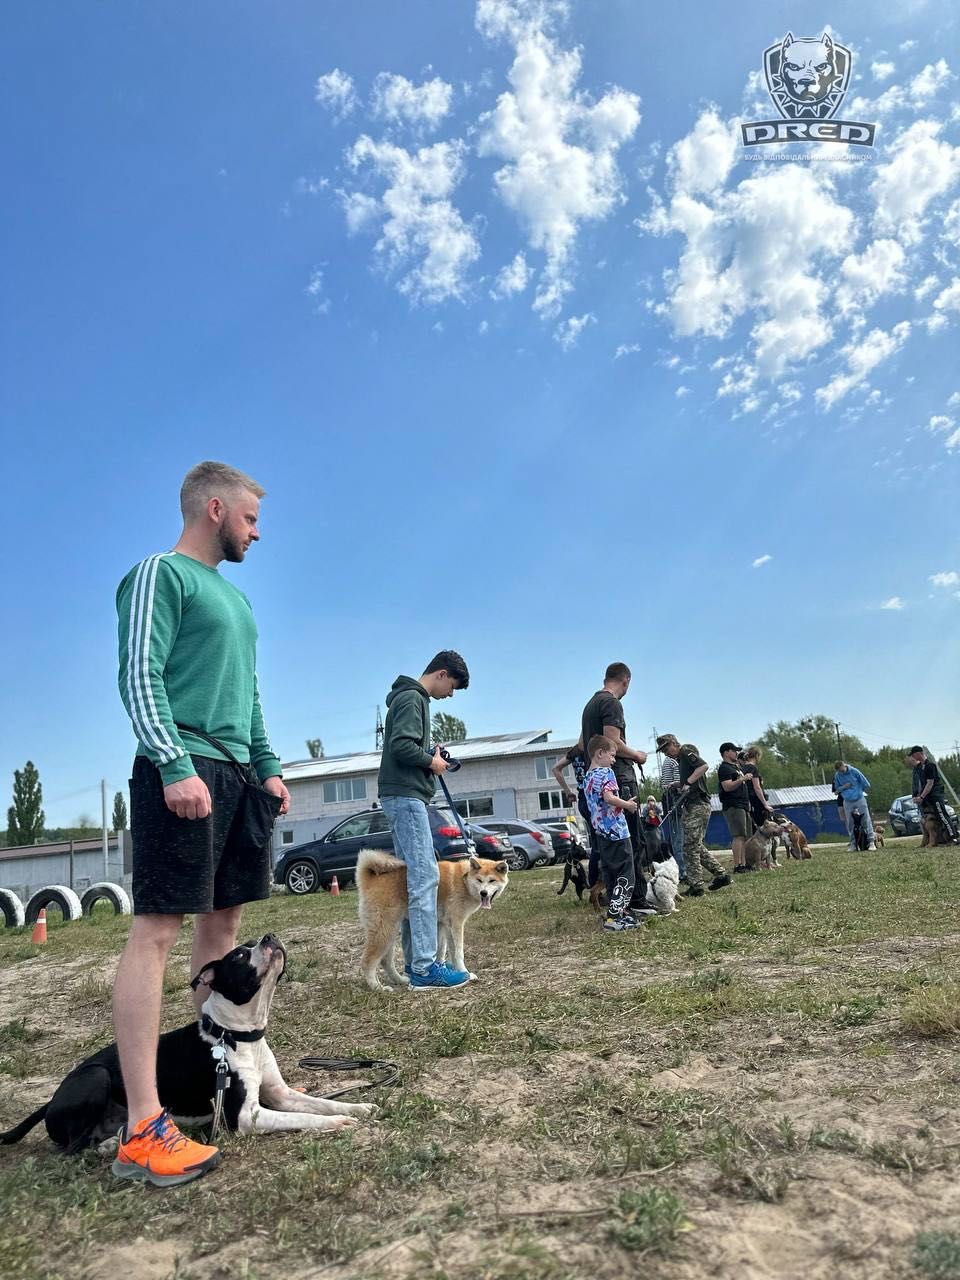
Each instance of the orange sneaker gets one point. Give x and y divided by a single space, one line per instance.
159 1153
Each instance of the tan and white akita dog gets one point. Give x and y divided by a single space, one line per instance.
464 888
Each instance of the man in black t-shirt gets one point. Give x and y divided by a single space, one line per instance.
735 802
603 714
929 792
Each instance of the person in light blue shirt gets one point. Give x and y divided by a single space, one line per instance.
853 788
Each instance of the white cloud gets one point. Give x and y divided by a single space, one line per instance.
929 82
568 331
701 162
862 358
940 424
949 579
681 392
949 298
757 249
422 234
335 90
908 45
882 70
926 285
627 349
865 277
761 560
922 168
951 225
512 279
954 400
397 100
315 290
893 603
559 148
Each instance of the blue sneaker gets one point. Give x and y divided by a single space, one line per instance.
438 976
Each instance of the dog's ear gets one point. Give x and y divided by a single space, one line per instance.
206 976
474 864
502 868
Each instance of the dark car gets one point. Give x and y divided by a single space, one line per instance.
904 817
565 841
312 866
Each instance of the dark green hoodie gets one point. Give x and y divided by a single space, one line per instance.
405 763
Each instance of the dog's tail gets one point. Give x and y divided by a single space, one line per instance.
24 1127
374 862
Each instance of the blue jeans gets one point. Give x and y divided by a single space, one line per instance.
413 844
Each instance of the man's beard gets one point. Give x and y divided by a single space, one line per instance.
231 546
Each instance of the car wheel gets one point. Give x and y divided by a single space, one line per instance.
518 861
302 877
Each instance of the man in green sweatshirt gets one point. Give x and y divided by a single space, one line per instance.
406 785
187 657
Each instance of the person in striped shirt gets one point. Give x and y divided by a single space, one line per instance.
187 657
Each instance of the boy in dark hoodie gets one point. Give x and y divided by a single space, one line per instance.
406 786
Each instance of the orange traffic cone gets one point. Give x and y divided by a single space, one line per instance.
40 928
334 888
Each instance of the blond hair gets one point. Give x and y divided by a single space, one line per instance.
212 480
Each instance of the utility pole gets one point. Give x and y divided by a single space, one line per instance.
379 732
839 747
106 837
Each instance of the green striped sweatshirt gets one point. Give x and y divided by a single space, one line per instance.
188 646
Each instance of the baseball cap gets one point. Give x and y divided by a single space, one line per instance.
914 750
729 746
664 738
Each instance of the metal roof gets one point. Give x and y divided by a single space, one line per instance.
820 794
532 742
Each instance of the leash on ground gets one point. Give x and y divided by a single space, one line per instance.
389 1073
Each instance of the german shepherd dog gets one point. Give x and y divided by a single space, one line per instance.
465 887
861 840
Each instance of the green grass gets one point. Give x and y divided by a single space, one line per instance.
526 1107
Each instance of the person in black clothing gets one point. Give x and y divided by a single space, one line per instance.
735 802
603 714
760 809
928 791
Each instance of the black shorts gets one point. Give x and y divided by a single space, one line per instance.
188 866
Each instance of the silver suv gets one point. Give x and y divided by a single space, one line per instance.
531 846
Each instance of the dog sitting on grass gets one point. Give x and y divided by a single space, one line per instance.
662 890
761 849
878 832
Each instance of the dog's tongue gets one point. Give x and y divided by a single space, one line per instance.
485 902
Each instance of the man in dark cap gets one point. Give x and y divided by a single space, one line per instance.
928 791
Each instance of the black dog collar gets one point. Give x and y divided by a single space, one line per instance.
230 1038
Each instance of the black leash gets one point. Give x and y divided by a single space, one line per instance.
467 842
389 1072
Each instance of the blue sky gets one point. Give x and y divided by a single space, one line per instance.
531 362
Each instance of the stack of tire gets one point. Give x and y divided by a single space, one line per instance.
69 904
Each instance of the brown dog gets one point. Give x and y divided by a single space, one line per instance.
933 831
761 849
878 829
796 841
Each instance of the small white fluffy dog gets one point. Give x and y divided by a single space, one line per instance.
662 890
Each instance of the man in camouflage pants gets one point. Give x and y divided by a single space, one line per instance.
695 815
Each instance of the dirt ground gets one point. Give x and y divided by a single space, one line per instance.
774 1093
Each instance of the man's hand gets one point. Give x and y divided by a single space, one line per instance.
276 788
641 757
438 764
569 797
630 806
188 798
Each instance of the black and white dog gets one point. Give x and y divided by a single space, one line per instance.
90 1104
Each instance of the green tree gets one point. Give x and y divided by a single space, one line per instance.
446 728
804 752
315 747
25 816
119 812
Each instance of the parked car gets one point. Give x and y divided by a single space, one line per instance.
531 845
904 817
493 844
565 838
311 866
